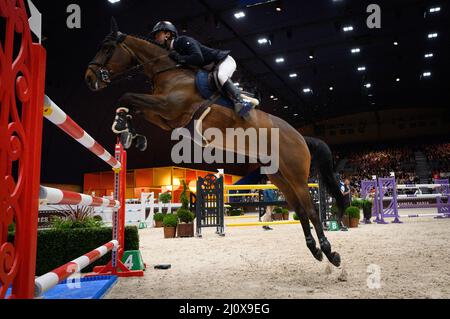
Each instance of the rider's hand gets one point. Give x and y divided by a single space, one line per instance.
174 55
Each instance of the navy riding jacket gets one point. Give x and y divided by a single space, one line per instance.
194 53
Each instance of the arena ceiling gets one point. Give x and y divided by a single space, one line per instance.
307 38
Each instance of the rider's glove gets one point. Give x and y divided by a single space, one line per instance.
174 55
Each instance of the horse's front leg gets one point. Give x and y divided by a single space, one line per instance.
152 107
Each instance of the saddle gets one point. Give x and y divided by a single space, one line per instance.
208 86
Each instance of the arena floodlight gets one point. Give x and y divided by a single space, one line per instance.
239 15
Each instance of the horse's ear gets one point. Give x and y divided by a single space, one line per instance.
114 27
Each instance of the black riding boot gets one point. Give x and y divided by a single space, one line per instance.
240 106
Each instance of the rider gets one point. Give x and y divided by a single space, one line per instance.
186 50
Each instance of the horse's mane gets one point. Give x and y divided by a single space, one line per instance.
147 39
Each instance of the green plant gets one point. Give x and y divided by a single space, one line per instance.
353 212
12 227
334 211
185 215
165 197
235 212
367 204
296 217
285 211
170 220
278 210
61 223
183 197
76 217
357 203
158 217
56 247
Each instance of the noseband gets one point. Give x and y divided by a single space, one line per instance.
104 74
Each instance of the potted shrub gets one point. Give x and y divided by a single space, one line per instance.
185 227
295 216
277 213
285 213
357 203
354 216
345 218
367 210
158 218
170 222
235 212
165 198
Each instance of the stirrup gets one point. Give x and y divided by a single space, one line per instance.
246 108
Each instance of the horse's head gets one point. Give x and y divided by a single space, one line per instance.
112 58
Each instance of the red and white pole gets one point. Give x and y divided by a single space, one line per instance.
54 277
54 114
56 196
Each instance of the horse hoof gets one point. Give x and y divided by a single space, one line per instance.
318 255
126 138
335 259
141 143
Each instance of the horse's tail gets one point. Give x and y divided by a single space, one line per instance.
322 159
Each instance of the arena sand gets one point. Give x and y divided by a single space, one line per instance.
413 257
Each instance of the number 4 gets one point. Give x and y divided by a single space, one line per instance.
129 262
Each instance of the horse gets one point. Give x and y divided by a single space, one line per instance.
175 99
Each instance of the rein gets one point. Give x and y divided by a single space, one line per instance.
105 75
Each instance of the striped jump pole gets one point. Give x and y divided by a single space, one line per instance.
54 277
413 186
58 117
416 196
56 196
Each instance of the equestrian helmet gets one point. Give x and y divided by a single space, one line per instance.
165 26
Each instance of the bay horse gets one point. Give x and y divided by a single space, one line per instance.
175 99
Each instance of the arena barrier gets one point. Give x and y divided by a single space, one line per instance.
385 189
209 203
23 104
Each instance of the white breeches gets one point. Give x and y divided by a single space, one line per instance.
226 69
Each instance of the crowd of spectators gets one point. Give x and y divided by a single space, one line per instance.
438 157
364 163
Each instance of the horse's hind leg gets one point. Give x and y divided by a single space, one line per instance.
325 246
295 204
294 167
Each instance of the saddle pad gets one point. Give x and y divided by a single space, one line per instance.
202 83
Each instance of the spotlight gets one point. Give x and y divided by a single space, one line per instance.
113 1
434 10
356 50
426 74
307 90
278 6
347 28
428 55
279 60
432 35
263 41
368 85
361 68
239 15
331 88
293 75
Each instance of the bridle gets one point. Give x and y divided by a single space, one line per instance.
105 75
